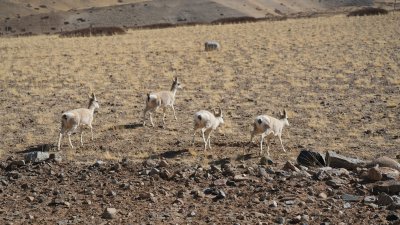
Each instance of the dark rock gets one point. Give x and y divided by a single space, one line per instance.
384 199
215 169
98 163
310 158
211 191
231 183
392 217
221 195
266 161
336 182
389 187
36 156
339 161
154 172
109 213
396 203
165 174
351 198
280 220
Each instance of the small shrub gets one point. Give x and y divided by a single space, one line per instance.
94 31
368 12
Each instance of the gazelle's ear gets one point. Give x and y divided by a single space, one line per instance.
285 113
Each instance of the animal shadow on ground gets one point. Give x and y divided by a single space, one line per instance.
232 144
38 148
244 157
126 126
171 154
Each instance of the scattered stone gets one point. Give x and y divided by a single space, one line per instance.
215 169
36 156
165 174
56 157
323 195
290 167
87 202
198 194
221 195
220 182
16 163
149 163
110 213
384 199
273 204
231 183
262 172
146 195
369 199
396 203
239 178
351 198
305 218
389 187
112 193
336 182
266 161
163 164
280 220
385 161
154 172
296 219
310 158
192 214
389 173
335 160
30 198
347 205
290 202
98 163
211 45
374 174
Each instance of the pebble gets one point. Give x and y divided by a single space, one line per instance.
109 213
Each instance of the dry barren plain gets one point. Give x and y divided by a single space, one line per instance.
337 77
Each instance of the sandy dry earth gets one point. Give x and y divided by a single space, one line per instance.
337 77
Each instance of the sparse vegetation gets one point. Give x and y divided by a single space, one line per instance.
368 11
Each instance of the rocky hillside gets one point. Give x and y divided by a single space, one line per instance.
47 17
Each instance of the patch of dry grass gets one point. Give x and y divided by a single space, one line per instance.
337 76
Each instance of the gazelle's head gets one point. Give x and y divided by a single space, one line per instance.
176 84
219 116
283 116
93 103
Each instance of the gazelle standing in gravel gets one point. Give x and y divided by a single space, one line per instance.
207 122
78 118
269 127
162 99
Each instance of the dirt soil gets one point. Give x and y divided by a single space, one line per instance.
337 77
